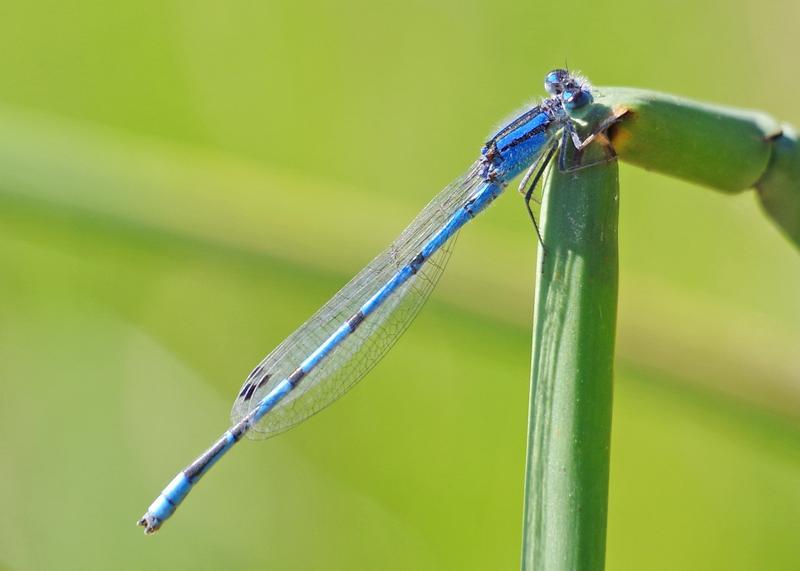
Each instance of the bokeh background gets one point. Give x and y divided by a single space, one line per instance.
183 183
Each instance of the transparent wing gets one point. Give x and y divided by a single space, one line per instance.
361 351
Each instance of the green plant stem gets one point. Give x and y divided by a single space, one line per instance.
779 188
726 149
720 147
566 484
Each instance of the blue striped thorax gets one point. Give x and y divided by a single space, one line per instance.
514 147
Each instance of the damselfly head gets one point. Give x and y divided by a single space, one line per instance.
556 81
573 89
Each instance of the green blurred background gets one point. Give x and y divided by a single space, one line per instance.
183 183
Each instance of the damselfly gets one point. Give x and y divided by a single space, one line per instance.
346 338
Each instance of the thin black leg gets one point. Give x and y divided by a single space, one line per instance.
532 187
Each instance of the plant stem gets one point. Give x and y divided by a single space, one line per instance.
779 188
566 483
726 149
720 147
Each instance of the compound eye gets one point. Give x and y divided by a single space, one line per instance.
555 81
576 98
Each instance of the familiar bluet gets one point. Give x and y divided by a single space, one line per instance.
346 338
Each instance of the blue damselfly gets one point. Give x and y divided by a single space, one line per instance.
340 343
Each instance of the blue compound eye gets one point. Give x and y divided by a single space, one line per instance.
576 98
555 81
